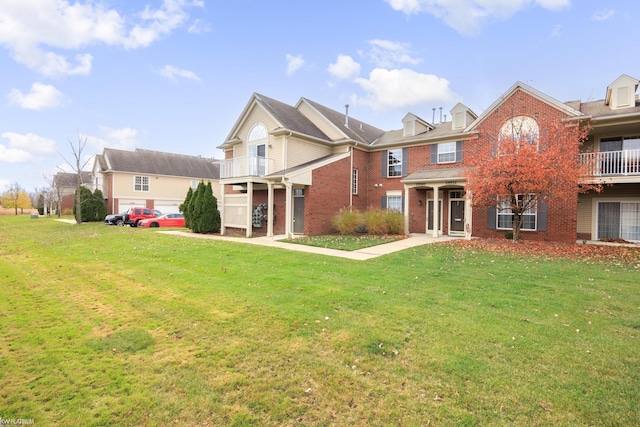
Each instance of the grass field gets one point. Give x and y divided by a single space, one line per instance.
108 325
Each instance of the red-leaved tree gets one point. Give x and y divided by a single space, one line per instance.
524 166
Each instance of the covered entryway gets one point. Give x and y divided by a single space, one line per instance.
438 184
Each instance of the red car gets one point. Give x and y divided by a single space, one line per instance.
166 220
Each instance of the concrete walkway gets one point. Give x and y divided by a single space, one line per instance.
359 255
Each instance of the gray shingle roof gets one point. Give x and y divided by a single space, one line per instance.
290 118
65 179
358 131
159 163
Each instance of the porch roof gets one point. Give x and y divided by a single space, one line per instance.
433 175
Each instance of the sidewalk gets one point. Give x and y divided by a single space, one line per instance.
359 255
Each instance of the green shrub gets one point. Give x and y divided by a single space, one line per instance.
348 221
508 235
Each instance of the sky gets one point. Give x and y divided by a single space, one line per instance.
175 75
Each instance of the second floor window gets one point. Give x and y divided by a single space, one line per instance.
140 183
394 162
447 152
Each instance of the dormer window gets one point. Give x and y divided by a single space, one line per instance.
622 93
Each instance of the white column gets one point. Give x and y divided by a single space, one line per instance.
223 229
468 227
269 209
288 207
249 208
406 210
436 210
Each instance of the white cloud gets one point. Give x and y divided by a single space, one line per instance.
173 73
603 15
344 67
556 31
468 17
402 88
25 148
41 96
119 138
387 54
199 27
294 63
33 30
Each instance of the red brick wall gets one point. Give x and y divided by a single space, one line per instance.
562 214
329 192
279 196
360 162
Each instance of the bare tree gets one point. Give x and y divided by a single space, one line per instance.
77 167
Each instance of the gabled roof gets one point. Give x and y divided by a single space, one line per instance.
65 179
356 130
570 111
286 116
158 163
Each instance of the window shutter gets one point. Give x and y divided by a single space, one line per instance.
458 151
385 159
434 154
492 218
405 161
383 202
542 215
402 205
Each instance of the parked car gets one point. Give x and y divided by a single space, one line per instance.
166 220
115 219
135 215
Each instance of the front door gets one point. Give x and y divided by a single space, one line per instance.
456 225
298 210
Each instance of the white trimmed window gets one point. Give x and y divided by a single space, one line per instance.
354 181
394 162
522 129
447 152
140 183
394 200
505 215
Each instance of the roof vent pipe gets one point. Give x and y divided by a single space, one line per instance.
433 118
346 116
445 117
440 114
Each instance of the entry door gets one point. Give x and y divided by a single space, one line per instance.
457 216
298 210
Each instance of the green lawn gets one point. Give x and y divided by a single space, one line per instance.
105 325
344 243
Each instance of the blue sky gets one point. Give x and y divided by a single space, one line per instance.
174 75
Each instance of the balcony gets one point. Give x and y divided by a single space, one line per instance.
245 167
612 163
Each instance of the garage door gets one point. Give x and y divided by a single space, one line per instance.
167 206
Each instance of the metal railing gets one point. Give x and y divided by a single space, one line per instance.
612 163
245 166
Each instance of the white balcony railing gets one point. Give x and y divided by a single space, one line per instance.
612 163
245 166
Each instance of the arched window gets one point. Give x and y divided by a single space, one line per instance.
257 150
521 128
257 133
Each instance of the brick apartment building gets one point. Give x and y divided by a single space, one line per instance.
289 169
